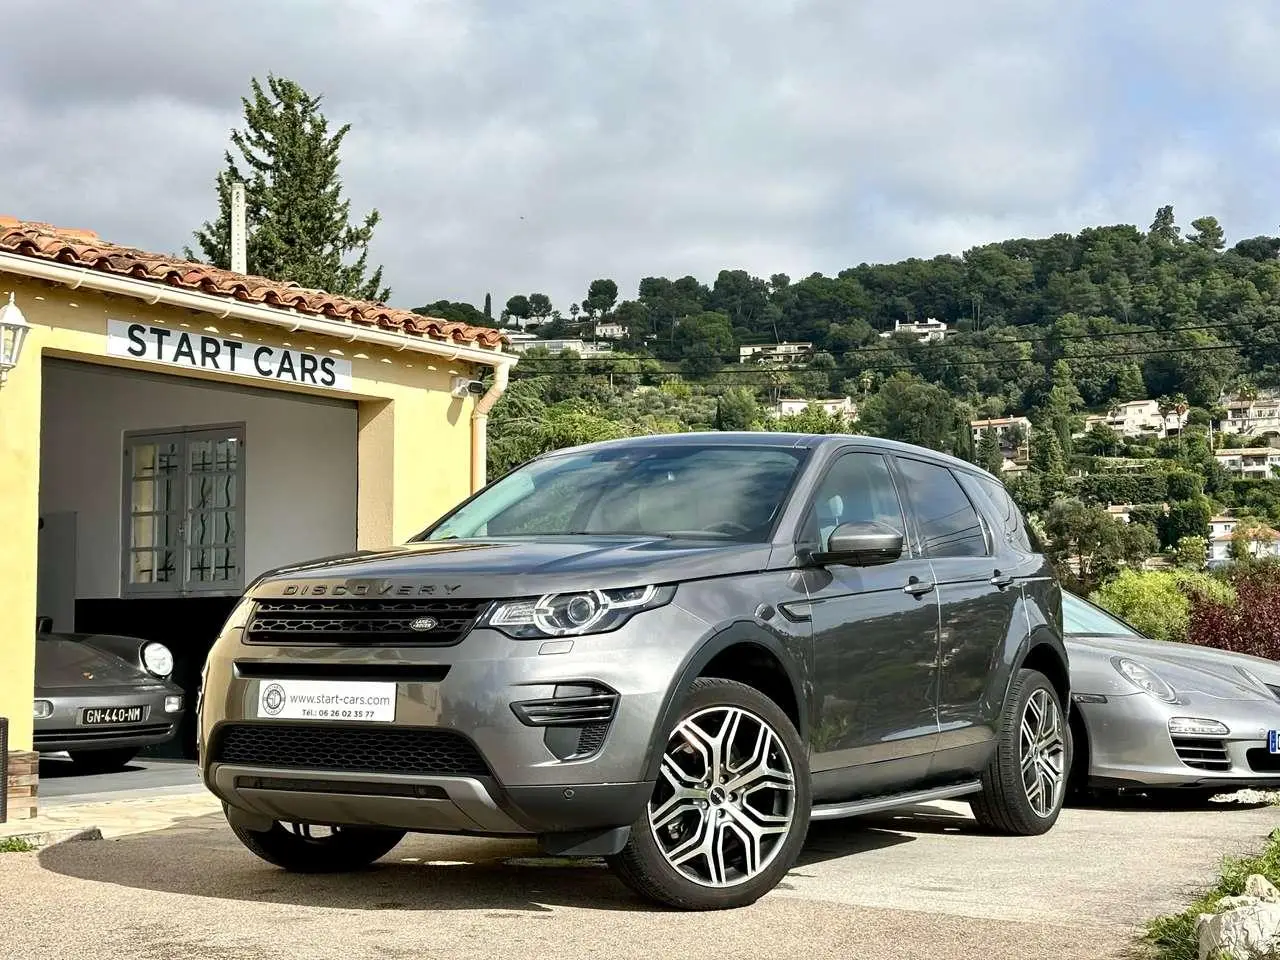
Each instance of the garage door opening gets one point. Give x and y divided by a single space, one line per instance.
163 497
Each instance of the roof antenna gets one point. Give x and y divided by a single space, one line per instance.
239 257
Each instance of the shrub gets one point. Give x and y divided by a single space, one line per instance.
1250 624
1159 602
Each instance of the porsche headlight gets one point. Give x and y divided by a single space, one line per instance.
574 614
158 659
1144 679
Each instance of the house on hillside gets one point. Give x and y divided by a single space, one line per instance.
611 331
923 330
774 353
1263 541
842 407
1252 417
1014 434
1255 463
1138 418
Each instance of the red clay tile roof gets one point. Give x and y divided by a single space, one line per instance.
83 248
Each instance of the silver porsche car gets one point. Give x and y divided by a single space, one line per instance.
102 698
1151 715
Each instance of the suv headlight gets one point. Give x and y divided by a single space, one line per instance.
574 614
1144 679
158 659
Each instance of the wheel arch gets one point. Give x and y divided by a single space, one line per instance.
743 652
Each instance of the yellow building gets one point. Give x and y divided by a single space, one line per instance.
170 430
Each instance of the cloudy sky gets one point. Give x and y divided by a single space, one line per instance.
530 146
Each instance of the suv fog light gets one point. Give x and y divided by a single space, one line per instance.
1195 726
43 709
172 704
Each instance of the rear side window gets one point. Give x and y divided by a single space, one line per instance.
949 524
1011 524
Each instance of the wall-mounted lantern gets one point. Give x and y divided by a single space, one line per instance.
13 331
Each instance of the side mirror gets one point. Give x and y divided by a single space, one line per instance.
44 624
862 544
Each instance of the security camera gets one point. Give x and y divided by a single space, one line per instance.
462 387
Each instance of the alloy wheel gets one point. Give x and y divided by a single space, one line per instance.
1043 753
725 799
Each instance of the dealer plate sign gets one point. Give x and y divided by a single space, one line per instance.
154 343
344 700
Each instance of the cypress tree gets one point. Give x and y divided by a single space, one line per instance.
298 225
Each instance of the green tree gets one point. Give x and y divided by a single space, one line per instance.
1191 552
989 456
1208 234
518 307
1158 603
600 298
813 419
1088 546
1186 518
539 306
1129 384
298 224
738 409
1047 459
912 411
488 305
1164 228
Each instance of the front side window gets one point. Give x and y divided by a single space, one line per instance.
949 525
713 492
857 489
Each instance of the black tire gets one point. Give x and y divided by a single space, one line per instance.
1003 805
644 868
344 850
102 761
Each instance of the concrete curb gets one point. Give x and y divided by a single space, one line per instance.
39 839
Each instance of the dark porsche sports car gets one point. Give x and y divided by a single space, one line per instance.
102 698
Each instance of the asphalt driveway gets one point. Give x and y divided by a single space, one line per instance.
920 883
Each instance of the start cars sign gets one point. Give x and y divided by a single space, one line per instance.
202 351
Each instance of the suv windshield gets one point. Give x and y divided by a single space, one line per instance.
713 491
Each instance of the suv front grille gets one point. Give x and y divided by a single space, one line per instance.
1202 753
404 750
426 622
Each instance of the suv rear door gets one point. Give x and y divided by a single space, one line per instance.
978 599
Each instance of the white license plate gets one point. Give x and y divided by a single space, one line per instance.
342 700
96 716
1273 741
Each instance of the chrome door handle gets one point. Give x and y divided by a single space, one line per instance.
1001 579
916 587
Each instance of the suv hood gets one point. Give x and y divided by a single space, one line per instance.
515 567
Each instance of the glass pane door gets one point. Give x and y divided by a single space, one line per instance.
154 499
213 511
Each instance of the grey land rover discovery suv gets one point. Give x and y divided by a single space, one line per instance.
672 652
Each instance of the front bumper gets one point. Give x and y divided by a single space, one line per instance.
65 729
527 780
1130 745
